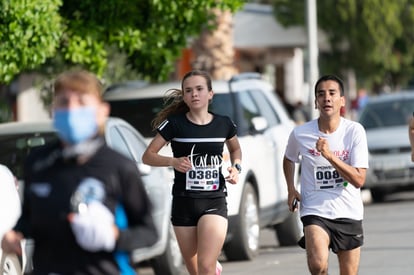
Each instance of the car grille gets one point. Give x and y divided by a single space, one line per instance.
394 174
382 151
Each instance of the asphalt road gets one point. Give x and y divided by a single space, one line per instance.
388 248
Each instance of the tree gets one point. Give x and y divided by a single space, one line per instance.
56 34
214 49
30 32
372 37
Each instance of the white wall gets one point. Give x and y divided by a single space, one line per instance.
30 107
294 79
28 104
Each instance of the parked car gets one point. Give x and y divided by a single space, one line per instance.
386 119
18 138
260 198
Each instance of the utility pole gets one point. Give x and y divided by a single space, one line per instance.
313 70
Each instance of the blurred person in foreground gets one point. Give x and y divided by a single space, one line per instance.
411 136
10 209
84 204
197 136
333 153
10 206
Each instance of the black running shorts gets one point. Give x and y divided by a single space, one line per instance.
187 211
344 234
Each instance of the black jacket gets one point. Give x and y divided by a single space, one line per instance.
50 186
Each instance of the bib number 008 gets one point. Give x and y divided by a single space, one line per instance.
327 175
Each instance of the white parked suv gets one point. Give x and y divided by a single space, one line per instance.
259 200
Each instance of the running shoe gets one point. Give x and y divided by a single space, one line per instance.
219 268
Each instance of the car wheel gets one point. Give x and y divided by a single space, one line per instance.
290 230
11 265
244 244
378 194
171 261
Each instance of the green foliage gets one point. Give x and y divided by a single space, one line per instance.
57 35
116 39
372 37
53 36
30 32
151 33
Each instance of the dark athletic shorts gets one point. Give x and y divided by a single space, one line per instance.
187 211
344 234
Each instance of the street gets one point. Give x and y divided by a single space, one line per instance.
388 248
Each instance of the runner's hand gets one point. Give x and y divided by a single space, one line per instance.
94 228
182 164
233 176
10 242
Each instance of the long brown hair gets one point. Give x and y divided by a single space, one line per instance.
173 100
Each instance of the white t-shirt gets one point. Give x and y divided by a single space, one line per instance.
10 207
324 192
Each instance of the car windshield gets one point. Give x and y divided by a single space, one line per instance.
387 113
140 112
15 148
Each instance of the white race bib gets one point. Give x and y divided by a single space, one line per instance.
326 177
203 179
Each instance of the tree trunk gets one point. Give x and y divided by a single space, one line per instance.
214 51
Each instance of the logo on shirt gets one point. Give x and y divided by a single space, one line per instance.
314 152
41 189
204 161
162 125
89 190
341 154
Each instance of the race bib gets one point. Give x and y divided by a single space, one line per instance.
326 177
203 179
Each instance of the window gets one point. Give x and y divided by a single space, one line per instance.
138 112
249 108
118 143
135 144
387 114
222 104
266 109
16 147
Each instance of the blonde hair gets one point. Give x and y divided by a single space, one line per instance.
173 100
79 81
